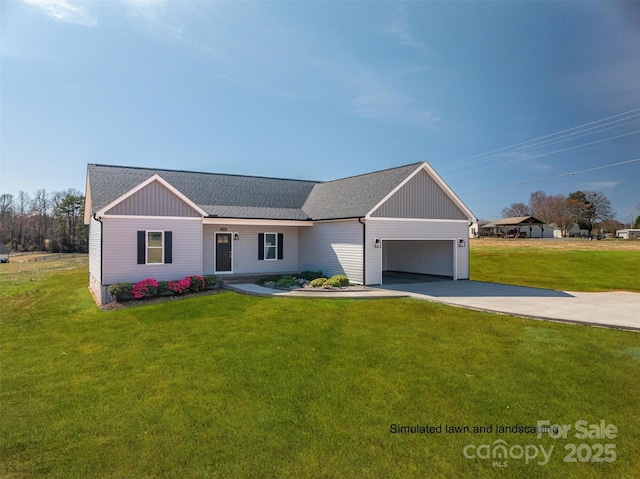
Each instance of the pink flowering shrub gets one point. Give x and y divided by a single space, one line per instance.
196 283
144 288
179 286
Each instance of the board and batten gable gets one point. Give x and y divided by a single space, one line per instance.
420 197
335 247
154 199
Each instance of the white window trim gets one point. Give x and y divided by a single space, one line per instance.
146 246
275 246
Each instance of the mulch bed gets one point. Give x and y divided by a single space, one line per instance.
132 303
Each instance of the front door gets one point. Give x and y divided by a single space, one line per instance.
223 252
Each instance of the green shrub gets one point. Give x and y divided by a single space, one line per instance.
210 281
119 290
316 283
285 282
311 275
332 283
163 287
344 281
196 283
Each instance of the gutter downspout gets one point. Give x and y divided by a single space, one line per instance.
364 250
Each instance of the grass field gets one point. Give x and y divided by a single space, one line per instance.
566 265
237 386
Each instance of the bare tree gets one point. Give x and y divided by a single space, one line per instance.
516 209
599 207
6 218
40 210
21 234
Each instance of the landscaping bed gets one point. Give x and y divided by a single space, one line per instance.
310 281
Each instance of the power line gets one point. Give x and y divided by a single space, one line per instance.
546 154
543 137
553 141
552 177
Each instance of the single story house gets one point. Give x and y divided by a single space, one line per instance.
167 224
628 234
4 254
517 227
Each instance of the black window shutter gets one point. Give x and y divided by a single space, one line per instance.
141 247
280 245
168 247
260 245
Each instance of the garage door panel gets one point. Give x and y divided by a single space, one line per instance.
426 257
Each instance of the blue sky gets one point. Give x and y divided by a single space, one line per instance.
323 90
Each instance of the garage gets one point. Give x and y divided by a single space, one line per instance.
405 261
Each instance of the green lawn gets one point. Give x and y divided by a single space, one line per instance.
559 265
237 386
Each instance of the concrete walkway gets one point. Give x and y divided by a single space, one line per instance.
369 293
619 310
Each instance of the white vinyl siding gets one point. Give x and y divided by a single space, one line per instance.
387 230
95 259
121 247
94 247
245 249
335 247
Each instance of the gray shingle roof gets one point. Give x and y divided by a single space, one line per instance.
239 196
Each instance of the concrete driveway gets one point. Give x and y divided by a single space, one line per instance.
615 310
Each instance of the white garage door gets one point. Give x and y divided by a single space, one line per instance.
434 257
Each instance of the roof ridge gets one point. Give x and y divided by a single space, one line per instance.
374 172
203 173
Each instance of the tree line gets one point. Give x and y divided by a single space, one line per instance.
590 210
43 222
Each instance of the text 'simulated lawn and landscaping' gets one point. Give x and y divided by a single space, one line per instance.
235 386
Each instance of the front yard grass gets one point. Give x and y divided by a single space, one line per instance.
564 265
238 386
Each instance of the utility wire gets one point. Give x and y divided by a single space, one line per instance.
553 141
543 137
545 154
551 177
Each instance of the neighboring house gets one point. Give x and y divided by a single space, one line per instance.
167 224
628 234
4 254
519 226
574 232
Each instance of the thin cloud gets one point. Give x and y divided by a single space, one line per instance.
391 106
601 185
64 11
398 29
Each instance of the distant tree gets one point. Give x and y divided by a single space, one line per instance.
610 226
578 208
68 213
550 209
41 216
516 209
636 224
21 228
599 207
6 219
